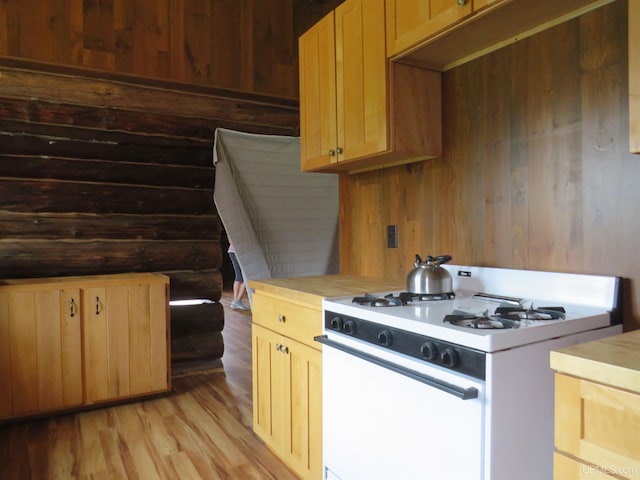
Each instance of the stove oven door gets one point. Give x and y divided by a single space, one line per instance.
382 421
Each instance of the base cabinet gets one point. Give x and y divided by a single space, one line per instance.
287 384
597 409
78 341
596 430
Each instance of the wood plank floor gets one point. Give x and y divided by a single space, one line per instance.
201 431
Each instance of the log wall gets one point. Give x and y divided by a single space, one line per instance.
107 175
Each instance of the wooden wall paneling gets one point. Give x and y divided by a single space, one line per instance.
248 45
610 174
275 48
499 236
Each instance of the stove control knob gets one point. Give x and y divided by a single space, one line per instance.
385 338
336 323
349 327
429 350
449 357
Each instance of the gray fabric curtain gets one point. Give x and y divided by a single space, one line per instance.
281 221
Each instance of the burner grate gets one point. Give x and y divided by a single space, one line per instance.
484 321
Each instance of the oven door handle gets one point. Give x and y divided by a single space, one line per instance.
459 392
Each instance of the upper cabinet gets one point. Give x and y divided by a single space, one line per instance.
411 21
634 77
442 34
357 111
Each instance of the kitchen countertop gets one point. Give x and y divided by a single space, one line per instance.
612 361
311 290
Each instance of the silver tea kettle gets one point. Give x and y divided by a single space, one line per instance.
429 277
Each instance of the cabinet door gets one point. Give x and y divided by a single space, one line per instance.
634 77
361 71
317 63
409 22
287 400
125 338
40 351
598 424
269 375
305 406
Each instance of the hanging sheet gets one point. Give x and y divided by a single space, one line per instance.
281 221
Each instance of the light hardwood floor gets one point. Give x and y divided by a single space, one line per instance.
201 431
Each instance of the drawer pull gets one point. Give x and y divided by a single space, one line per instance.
72 308
282 318
97 305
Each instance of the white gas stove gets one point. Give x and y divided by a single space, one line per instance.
457 387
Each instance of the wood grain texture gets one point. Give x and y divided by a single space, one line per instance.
535 171
202 430
242 45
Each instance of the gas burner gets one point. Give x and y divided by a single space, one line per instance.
531 313
484 321
425 297
374 301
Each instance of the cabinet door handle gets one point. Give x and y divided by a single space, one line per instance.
72 308
339 150
462 2
332 153
97 305
284 349
282 318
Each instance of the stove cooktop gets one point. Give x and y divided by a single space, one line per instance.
587 302
428 318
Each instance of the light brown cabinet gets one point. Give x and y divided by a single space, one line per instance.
40 350
125 339
357 111
634 76
597 409
77 341
410 22
443 34
287 382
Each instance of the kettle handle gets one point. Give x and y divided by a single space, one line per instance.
439 260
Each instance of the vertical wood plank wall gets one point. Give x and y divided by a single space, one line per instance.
535 174
246 45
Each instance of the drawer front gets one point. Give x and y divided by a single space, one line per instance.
287 318
599 425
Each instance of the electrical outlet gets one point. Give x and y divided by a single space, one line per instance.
392 236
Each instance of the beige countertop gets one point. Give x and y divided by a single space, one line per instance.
612 361
311 290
